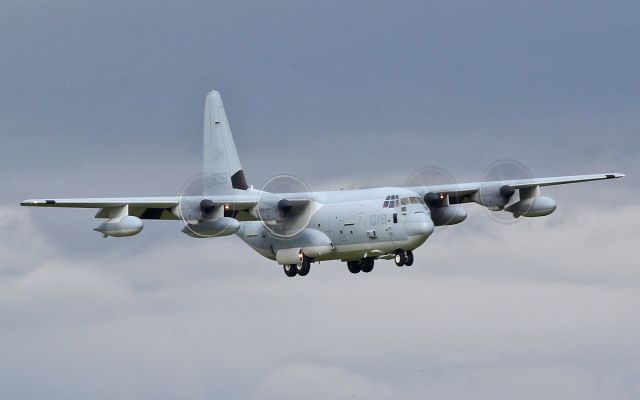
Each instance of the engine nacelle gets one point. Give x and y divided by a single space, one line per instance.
121 226
223 226
493 195
447 215
533 207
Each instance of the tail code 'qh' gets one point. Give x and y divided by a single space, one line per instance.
221 164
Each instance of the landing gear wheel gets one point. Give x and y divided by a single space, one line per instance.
290 270
304 267
354 266
367 265
408 261
400 258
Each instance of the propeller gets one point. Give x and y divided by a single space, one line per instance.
500 171
284 205
432 176
194 209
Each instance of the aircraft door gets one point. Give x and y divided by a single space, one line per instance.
392 224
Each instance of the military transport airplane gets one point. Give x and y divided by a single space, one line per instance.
299 228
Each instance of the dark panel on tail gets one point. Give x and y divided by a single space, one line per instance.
238 181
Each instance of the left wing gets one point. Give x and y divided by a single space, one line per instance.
464 192
497 195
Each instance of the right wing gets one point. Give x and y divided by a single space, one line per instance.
164 208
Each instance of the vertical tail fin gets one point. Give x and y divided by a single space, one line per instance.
221 164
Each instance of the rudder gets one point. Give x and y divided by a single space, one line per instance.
221 164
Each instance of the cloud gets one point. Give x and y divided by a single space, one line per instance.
189 319
542 308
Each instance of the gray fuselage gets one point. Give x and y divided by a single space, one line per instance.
349 225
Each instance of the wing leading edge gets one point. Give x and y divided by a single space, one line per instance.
142 207
467 189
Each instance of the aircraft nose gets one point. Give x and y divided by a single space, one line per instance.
419 225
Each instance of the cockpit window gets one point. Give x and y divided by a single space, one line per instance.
394 200
391 201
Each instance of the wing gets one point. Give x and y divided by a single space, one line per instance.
468 192
143 207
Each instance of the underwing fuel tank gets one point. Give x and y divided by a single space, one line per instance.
223 226
121 226
533 207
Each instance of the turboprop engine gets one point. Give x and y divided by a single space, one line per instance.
494 195
441 212
531 204
223 226
447 215
203 218
121 226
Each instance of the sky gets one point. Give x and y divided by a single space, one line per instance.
106 99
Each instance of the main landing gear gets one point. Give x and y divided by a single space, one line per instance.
355 266
404 258
301 269
365 265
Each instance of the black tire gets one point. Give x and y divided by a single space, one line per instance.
290 270
303 268
408 260
354 266
400 258
367 265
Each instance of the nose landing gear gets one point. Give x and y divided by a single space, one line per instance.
408 261
404 258
399 258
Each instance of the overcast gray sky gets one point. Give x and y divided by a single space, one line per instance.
106 99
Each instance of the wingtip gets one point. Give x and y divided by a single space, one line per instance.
37 202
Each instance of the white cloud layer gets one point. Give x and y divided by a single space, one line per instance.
105 99
536 309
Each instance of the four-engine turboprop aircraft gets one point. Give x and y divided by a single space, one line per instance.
300 228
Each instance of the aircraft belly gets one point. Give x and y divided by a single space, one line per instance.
253 235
